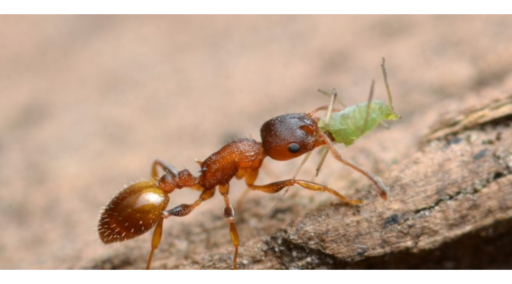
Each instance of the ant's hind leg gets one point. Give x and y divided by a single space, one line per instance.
157 236
166 167
229 213
185 209
178 211
279 185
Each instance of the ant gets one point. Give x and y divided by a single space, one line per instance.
142 206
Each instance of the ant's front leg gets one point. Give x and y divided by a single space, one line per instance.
279 185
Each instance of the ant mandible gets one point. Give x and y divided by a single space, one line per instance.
142 206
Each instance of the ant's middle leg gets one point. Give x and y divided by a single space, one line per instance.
279 185
229 213
184 209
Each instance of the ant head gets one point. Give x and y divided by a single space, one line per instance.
288 136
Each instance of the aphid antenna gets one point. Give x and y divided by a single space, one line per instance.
388 90
367 114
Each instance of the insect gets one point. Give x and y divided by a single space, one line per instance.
143 205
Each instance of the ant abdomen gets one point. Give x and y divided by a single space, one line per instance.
132 212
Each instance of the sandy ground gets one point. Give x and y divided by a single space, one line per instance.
88 102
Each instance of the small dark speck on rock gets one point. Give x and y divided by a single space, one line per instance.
480 154
455 140
391 220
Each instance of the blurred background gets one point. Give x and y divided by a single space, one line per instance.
88 102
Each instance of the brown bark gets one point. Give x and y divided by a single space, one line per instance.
450 206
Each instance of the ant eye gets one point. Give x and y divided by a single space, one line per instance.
294 148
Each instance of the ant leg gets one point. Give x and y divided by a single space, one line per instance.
185 209
250 177
178 211
157 236
279 185
376 181
229 213
239 175
304 160
166 167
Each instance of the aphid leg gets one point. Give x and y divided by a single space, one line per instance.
325 151
185 209
313 112
279 185
157 236
166 167
367 114
376 181
229 213
334 95
329 107
330 94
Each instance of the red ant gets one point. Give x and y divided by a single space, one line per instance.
142 206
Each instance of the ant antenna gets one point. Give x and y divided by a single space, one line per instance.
334 95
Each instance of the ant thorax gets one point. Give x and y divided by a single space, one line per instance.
219 168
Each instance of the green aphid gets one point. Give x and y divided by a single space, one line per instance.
349 124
